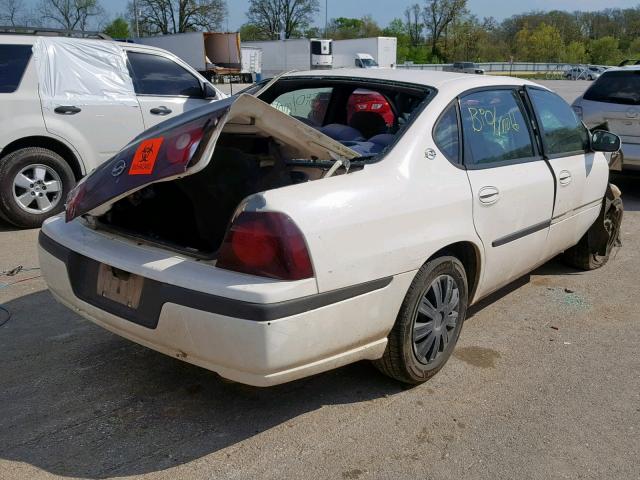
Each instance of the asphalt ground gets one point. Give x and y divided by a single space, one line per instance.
544 384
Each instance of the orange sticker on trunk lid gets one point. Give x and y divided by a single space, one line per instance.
145 157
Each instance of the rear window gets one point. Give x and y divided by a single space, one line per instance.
616 87
13 62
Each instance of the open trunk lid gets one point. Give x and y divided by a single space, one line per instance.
184 145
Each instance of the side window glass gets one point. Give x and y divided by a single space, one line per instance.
308 105
445 134
495 129
13 62
562 132
157 75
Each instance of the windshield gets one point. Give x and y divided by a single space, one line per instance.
368 62
621 87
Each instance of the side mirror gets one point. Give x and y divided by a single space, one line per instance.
209 91
603 141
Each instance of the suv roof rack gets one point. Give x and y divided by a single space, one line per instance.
51 32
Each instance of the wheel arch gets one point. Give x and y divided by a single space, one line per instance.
470 256
49 143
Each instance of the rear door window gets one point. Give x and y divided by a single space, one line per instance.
13 63
620 86
446 134
157 75
495 129
562 132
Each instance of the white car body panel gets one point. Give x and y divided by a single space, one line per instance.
382 222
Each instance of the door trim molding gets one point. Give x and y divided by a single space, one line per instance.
521 233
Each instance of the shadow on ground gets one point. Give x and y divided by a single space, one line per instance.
81 402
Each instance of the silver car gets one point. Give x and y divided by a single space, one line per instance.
613 102
591 72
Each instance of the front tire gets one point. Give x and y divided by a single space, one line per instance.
429 322
34 183
587 254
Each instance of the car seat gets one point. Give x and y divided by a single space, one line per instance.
369 124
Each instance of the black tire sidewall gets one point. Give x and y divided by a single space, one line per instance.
417 371
11 165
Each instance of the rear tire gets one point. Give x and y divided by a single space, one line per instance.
34 184
584 255
427 328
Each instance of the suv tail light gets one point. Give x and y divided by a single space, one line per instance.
266 244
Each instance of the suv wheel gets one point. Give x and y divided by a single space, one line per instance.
429 322
34 183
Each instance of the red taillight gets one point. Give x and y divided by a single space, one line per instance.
182 143
73 200
267 244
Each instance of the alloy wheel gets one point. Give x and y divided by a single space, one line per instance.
37 189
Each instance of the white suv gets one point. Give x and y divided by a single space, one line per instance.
70 104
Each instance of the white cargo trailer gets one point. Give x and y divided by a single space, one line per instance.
359 52
251 64
293 54
210 53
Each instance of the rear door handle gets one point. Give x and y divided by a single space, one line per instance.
67 110
162 110
564 177
488 195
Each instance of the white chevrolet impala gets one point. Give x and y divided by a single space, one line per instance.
329 217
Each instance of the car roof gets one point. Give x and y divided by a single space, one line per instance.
430 78
626 68
30 40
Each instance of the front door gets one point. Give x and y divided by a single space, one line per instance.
511 184
578 171
164 88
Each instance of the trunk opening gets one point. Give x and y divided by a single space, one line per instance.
192 214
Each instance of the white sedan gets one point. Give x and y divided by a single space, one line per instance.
269 244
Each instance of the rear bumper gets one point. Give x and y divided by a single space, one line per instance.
257 344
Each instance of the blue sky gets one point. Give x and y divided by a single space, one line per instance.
383 11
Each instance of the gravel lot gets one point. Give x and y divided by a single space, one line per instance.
545 383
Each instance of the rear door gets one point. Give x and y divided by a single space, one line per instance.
580 175
87 96
512 186
164 88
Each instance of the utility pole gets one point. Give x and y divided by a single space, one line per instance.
135 16
326 18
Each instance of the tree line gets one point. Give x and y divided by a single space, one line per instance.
434 31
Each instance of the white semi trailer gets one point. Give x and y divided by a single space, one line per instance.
373 52
213 54
293 54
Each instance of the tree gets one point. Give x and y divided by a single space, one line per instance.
118 28
413 25
70 14
292 17
344 28
575 53
437 15
178 16
545 44
604 51
13 12
249 31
